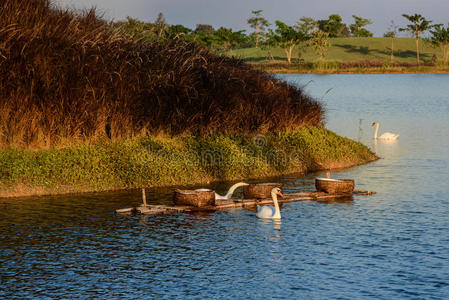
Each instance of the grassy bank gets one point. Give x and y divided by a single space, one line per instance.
359 67
159 161
85 107
351 55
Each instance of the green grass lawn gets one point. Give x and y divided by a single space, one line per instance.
350 50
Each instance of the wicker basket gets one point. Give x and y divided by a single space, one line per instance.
334 186
194 198
259 191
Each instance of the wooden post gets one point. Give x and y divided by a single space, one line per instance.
144 198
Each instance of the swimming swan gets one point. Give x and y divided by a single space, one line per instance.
228 194
270 212
384 136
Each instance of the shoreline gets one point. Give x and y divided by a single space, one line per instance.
374 70
170 161
23 192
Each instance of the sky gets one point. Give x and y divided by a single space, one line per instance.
234 13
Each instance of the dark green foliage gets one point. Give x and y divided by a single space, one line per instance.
418 26
229 39
334 26
287 37
204 35
306 26
287 34
357 28
66 78
440 39
175 31
204 28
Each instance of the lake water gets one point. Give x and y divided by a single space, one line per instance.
391 245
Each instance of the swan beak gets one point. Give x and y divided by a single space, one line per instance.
280 194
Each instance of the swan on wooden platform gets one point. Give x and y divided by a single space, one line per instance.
270 212
385 136
229 193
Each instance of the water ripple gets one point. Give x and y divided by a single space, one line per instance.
391 245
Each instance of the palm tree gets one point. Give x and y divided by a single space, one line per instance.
259 24
440 38
418 26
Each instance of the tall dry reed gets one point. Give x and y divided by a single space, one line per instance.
67 76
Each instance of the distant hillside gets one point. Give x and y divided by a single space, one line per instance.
66 77
350 50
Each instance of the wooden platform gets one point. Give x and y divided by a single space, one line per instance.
237 203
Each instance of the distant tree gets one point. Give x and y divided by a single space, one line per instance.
287 38
160 26
357 28
229 38
418 26
204 35
259 24
344 31
392 30
389 34
319 42
137 29
268 41
392 33
334 26
322 24
440 39
307 26
204 28
175 31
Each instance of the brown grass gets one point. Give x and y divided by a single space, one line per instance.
67 77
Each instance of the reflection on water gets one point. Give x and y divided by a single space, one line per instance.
277 224
385 148
344 200
391 245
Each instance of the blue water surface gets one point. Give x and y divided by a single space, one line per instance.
392 245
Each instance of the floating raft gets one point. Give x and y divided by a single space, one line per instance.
238 203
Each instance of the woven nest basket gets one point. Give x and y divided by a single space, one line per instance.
194 198
259 190
334 186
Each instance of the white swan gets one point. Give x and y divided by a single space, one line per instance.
228 194
270 212
384 136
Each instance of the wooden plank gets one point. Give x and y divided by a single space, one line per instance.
240 203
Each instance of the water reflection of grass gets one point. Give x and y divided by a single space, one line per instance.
158 161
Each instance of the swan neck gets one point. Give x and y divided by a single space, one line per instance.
277 211
375 131
233 188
